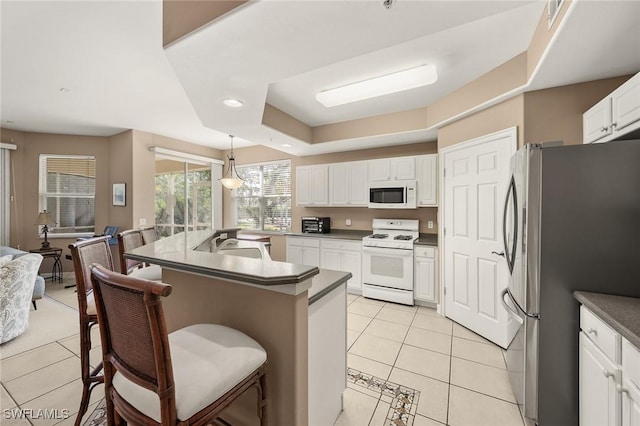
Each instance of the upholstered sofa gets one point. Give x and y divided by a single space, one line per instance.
17 280
38 288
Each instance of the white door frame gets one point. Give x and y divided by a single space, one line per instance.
511 132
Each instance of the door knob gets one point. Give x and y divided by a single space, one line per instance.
499 254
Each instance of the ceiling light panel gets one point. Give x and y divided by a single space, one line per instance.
233 103
379 86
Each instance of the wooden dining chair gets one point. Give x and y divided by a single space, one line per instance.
84 253
129 240
149 234
151 377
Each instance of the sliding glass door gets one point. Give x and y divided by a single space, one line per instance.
185 195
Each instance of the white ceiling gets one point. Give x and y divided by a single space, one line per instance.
109 55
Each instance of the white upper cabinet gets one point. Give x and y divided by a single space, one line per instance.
626 105
311 185
348 184
399 168
615 115
427 171
596 123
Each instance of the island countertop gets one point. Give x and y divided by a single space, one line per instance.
177 252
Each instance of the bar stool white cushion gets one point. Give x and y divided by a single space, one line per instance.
151 272
208 361
91 304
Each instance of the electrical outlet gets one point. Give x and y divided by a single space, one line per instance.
430 224
348 222
142 221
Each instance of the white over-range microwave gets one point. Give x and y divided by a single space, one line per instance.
392 195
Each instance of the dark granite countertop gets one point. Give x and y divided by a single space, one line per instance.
178 252
349 234
620 312
427 240
325 282
342 234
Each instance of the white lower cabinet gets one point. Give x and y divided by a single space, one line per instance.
303 251
630 389
599 398
343 255
424 274
609 375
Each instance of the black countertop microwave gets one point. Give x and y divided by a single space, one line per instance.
316 225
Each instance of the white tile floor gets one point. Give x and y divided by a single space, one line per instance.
460 377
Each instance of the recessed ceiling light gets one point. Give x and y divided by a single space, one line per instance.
379 86
233 103
286 145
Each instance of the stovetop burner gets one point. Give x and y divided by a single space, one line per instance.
379 236
403 237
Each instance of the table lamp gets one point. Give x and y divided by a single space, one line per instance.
44 219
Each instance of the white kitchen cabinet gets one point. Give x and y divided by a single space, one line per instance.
303 251
625 108
327 330
397 168
596 123
427 172
599 398
424 277
615 115
312 185
348 184
630 389
343 255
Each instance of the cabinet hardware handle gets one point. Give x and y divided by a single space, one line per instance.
592 331
604 129
620 389
607 374
614 125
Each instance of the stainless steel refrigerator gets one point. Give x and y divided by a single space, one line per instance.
571 222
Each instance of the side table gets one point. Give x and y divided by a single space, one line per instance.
55 253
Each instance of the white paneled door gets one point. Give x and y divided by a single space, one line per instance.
475 181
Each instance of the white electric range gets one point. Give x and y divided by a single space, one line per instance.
387 260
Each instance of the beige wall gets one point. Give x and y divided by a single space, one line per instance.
180 17
122 158
121 171
507 114
556 113
25 159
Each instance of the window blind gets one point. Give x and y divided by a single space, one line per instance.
264 201
67 192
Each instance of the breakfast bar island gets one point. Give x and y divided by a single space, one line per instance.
296 312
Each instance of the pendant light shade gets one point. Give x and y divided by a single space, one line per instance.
231 179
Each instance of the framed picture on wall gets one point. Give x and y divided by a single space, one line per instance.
119 194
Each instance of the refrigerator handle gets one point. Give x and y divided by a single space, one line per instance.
519 310
510 255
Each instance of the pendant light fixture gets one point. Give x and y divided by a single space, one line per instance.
231 179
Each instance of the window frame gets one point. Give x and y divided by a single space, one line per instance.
43 194
262 197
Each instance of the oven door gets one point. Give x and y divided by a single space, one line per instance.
387 267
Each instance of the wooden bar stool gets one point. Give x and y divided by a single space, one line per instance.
152 377
84 253
129 240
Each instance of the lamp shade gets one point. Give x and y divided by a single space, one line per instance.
44 218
